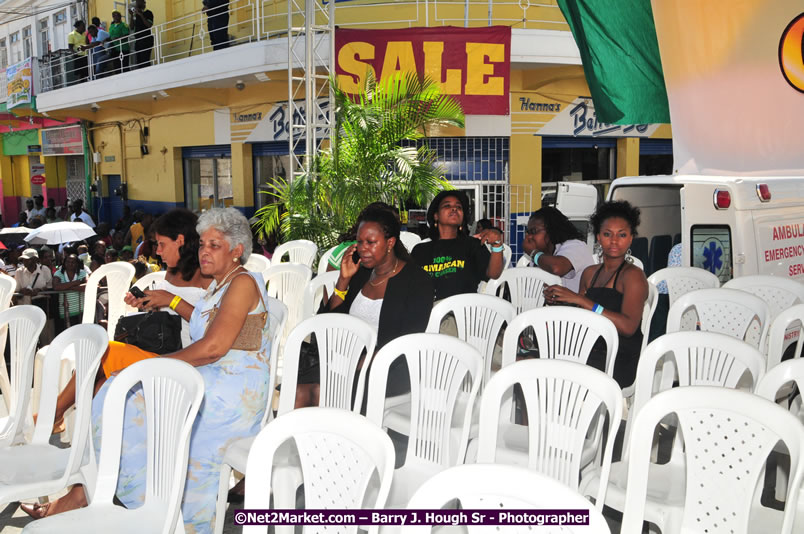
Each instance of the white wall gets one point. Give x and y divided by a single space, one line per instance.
31 12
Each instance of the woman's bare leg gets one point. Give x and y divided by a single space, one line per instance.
74 499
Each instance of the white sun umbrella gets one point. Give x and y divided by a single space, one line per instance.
59 232
17 230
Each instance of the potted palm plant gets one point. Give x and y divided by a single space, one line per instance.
374 157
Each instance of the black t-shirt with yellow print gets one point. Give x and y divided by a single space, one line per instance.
455 265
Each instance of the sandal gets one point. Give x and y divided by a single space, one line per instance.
36 510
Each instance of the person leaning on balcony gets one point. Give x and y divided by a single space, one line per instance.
141 21
100 58
118 46
78 71
217 22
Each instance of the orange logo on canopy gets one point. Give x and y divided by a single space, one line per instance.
791 53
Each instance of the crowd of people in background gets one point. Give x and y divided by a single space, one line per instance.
128 44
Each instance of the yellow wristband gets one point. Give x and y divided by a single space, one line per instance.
341 294
175 302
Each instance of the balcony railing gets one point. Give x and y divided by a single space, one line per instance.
255 20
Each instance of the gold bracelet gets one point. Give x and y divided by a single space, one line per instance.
341 294
175 302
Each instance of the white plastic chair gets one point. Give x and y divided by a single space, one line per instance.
691 359
526 285
409 239
777 292
507 255
118 281
39 468
314 291
146 282
775 380
23 325
339 453
727 435
524 261
563 333
300 251
479 319
323 262
437 365
563 401
237 452
682 280
286 282
503 487
785 323
7 287
727 311
257 263
173 391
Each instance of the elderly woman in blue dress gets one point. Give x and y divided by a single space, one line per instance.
233 363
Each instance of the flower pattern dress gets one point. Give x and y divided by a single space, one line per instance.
235 397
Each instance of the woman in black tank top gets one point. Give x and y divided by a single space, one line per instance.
616 289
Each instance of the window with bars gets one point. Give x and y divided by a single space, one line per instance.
473 159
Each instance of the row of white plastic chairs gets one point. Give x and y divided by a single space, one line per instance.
342 389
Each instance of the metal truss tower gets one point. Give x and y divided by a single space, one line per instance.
311 30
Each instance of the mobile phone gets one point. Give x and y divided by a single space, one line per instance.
137 292
355 257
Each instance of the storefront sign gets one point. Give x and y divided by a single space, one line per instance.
62 141
471 64
20 84
545 116
272 123
37 173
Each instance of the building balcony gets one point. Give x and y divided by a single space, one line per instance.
179 54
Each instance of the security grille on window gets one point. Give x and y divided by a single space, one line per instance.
44 36
27 42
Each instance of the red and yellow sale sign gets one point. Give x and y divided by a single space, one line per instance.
471 64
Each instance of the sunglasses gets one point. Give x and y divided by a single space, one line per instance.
534 231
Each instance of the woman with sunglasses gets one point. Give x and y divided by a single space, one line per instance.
557 246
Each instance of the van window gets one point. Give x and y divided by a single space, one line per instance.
711 250
660 207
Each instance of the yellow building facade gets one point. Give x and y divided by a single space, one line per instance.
221 141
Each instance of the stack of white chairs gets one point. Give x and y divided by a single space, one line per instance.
437 366
682 280
37 468
299 251
728 436
173 391
22 325
340 454
323 262
503 487
525 284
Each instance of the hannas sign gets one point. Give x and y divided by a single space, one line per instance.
471 64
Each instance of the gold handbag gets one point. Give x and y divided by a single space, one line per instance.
250 336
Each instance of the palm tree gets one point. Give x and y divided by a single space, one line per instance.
374 158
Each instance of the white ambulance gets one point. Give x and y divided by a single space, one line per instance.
729 225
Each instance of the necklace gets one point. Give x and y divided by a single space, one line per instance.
385 275
225 278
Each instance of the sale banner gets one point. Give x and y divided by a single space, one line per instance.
471 64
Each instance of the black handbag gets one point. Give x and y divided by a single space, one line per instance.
156 331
